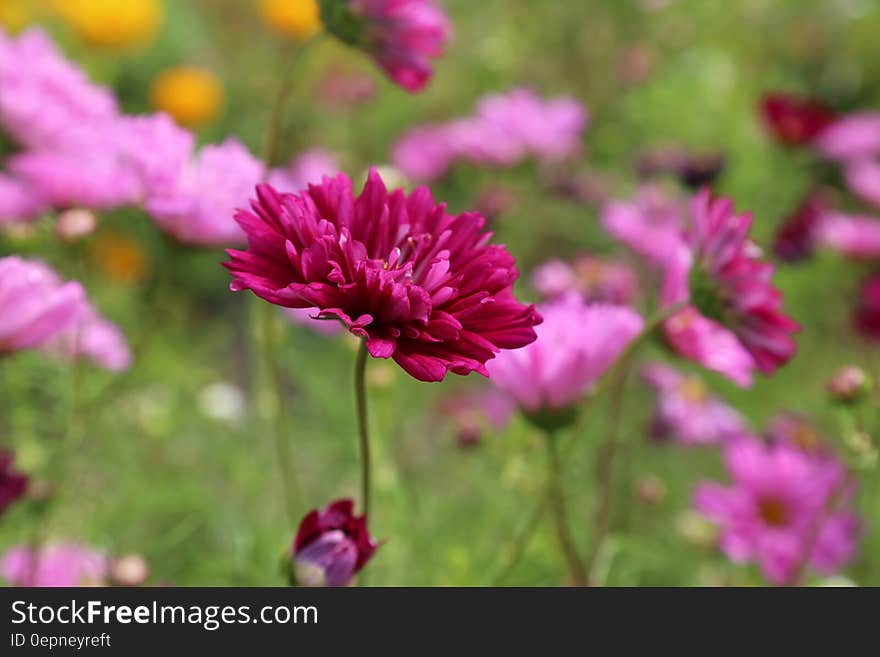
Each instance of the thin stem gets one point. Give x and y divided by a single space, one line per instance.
522 540
576 568
360 390
281 428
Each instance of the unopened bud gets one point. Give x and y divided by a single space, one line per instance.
129 570
849 385
75 224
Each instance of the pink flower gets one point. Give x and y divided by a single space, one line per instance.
854 236
309 168
720 274
794 120
19 201
795 430
652 225
796 237
13 484
67 564
593 278
473 412
867 314
45 96
863 179
687 412
851 138
425 153
421 286
95 338
576 344
35 305
331 546
198 208
401 35
783 510
156 150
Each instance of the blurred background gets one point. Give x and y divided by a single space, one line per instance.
174 459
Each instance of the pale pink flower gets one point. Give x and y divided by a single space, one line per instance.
592 277
425 153
94 338
308 168
852 235
67 564
852 137
863 179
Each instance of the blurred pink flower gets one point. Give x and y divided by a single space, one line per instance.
19 200
67 564
686 410
425 153
794 430
854 236
308 317
198 208
401 35
593 278
419 285
577 343
867 313
308 168
720 275
473 412
796 237
156 150
13 484
863 179
652 225
95 338
44 95
852 137
35 305
784 510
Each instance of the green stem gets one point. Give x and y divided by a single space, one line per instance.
576 569
360 390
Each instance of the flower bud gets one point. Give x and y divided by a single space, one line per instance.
129 570
75 224
850 384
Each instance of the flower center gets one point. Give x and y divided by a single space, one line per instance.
693 390
773 512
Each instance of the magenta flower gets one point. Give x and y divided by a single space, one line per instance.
421 286
854 236
863 179
867 314
13 484
331 546
198 207
720 275
796 238
593 278
851 138
66 564
19 201
576 344
308 168
401 35
794 120
35 305
652 225
785 510
45 96
687 412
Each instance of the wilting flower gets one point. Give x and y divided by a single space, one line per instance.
577 343
794 120
421 286
652 225
687 412
35 305
308 168
797 236
111 24
13 484
720 275
331 546
300 19
785 510
504 130
472 413
401 35
593 278
192 95
849 384
198 208
867 314
44 95
853 236
67 564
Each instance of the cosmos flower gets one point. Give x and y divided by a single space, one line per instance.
785 509
577 343
197 209
421 286
794 120
797 235
94 338
401 35
19 201
593 278
855 236
13 484
35 305
720 275
867 314
863 179
425 153
686 410
65 564
851 138
331 546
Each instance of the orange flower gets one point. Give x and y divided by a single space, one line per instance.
192 95
300 19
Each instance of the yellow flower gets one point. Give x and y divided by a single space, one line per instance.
15 14
300 19
112 23
193 96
